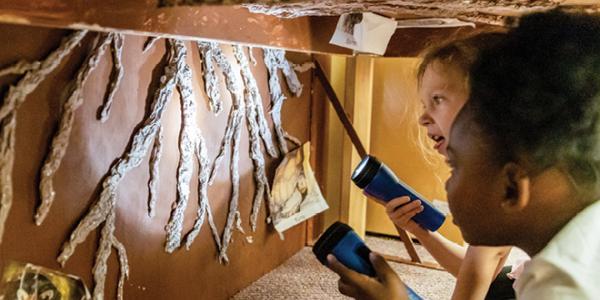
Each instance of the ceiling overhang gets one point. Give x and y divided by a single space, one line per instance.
488 12
304 26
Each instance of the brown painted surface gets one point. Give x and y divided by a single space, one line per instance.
94 146
223 23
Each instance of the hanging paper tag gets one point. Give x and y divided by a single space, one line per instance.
364 32
295 194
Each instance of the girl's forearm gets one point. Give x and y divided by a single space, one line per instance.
480 266
447 253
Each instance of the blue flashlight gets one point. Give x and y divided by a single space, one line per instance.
349 249
380 182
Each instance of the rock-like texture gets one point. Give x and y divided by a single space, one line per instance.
216 2
490 12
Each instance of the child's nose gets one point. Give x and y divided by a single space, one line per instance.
425 119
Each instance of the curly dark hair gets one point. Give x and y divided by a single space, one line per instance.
537 93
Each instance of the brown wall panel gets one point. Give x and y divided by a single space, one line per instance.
94 146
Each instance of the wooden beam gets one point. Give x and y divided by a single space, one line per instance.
230 24
358 102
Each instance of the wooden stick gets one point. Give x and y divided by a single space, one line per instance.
337 106
427 264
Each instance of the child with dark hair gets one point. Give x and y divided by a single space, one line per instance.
525 159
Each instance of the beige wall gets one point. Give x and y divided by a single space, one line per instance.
334 138
394 132
393 139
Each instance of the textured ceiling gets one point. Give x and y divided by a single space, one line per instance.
490 12
482 11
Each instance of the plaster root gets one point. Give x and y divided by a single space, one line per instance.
263 125
103 209
275 60
15 96
20 67
252 98
211 80
204 209
251 56
155 156
107 242
231 140
188 136
291 79
150 42
115 76
60 141
304 67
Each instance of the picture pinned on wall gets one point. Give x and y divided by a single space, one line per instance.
295 194
364 32
21 281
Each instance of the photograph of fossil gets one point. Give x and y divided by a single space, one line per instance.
30 282
296 195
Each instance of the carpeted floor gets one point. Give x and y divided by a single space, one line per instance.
303 277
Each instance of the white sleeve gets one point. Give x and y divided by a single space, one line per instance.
544 280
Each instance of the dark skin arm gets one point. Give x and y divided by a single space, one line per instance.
386 286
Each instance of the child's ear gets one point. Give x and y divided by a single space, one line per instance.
517 187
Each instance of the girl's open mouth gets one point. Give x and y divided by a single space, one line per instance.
439 141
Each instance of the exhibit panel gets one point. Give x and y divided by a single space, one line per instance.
109 158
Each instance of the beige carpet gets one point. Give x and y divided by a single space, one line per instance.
303 277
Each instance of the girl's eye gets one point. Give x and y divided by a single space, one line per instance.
437 99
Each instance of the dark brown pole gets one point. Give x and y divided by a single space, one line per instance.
337 106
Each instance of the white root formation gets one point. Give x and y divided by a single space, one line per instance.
251 56
231 140
21 67
103 209
191 144
62 135
187 143
252 98
263 125
115 76
150 42
293 83
185 89
15 96
275 60
301 68
211 80
107 241
155 156
204 209
124 266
